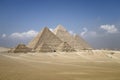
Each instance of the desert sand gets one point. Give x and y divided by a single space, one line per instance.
83 65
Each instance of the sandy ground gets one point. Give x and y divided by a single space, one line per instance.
84 65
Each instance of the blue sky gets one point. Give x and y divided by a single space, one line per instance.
97 21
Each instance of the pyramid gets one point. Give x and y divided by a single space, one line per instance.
58 40
59 28
21 48
35 41
43 47
76 42
65 47
80 43
47 37
63 34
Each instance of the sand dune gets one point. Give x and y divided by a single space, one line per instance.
84 65
3 49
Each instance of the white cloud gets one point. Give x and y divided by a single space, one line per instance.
4 35
87 33
28 34
51 29
85 30
109 28
16 38
93 33
71 32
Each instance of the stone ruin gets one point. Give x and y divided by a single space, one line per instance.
60 40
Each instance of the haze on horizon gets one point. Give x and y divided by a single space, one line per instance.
97 21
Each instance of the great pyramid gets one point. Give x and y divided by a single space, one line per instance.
46 37
58 40
63 34
76 41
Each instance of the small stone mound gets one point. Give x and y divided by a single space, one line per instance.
21 48
65 47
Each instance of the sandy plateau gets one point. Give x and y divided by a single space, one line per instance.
84 65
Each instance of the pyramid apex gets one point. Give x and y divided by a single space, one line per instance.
46 28
60 27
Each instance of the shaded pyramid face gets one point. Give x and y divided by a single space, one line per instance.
47 37
65 47
76 41
80 43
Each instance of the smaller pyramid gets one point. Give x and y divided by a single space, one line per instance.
43 47
80 43
21 48
77 42
65 47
